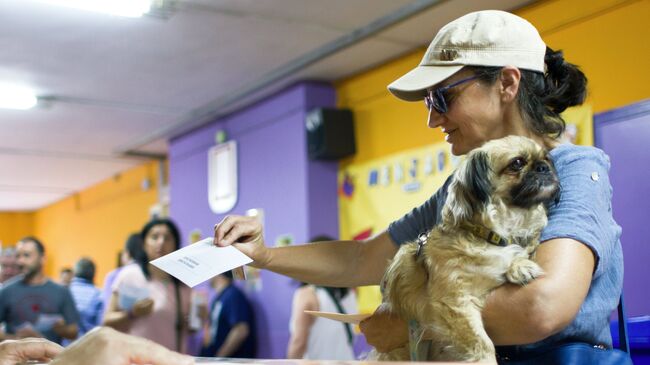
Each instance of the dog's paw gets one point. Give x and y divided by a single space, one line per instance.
523 271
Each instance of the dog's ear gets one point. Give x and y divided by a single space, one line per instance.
477 177
470 189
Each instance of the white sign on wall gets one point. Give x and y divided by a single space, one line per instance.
222 176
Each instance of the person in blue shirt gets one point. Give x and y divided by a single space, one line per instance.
488 75
87 297
229 329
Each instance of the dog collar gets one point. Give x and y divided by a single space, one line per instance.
488 235
422 240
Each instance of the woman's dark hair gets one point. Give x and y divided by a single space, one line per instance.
542 97
143 260
134 246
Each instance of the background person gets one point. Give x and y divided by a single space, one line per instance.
87 297
485 76
34 306
162 315
317 338
128 255
229 329
65 276
8 264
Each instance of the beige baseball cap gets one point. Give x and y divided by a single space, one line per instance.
482 38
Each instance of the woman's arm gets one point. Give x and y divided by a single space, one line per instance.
336 263
525 314
120 319
304 299
114 316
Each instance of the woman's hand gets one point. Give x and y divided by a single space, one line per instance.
106 346
19 351
245 234
142 307
385 330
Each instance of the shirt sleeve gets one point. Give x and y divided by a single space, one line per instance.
238 310
69 310
584 212
421 219
3 294
98 309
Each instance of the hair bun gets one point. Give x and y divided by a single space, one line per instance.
565 84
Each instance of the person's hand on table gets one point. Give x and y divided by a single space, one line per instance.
13 352
245 234
106 346
384 330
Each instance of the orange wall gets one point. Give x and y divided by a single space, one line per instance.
94 222
14 226
607 38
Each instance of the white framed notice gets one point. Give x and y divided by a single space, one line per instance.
222 176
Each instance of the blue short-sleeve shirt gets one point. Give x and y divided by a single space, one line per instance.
584 214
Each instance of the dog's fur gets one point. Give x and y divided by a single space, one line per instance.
503 186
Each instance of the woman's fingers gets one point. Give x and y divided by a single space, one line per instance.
232 228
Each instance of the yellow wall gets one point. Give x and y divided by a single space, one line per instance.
14 226
94 222
607 38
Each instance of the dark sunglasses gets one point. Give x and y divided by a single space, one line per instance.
436 98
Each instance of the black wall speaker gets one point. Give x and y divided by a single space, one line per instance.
330 134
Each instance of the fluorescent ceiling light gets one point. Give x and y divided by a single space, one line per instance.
16 97
128 8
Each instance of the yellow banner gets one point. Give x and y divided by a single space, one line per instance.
375 193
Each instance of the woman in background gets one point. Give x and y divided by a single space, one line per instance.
128 255
147 301
316 338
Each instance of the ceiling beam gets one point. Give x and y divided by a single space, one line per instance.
211 111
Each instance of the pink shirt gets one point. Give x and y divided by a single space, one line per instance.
160 325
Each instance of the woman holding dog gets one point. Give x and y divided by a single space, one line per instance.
485 76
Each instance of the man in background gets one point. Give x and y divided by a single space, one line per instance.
65 276
32 305
8 264
230 329
87 297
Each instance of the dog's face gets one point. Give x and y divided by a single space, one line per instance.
512 171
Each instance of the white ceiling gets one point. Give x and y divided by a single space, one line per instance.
128 84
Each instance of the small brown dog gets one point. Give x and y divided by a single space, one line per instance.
491 222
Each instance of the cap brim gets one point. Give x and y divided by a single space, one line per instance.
413 85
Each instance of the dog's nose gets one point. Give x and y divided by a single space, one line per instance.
541 167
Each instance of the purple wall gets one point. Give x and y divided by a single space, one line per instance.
298 195
624 135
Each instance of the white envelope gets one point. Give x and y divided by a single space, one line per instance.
201 261
46 321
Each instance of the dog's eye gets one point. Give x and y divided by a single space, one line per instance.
517 164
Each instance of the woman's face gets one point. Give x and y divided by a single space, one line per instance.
475 114
158 242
